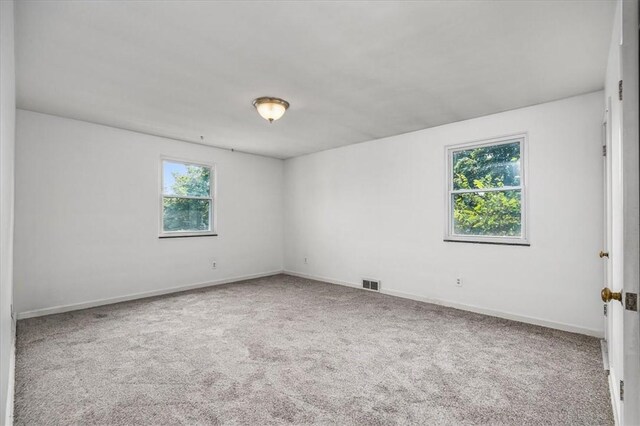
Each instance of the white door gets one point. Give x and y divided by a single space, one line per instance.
622 215
631 210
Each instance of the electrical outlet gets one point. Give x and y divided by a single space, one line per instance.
306 262
214 264
458 282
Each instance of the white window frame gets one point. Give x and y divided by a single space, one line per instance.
213 217
449 235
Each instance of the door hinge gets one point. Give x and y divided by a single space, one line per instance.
604 150
631 301
621 390
605 309
620 90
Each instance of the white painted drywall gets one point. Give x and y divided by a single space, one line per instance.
87 215
7 146
376 210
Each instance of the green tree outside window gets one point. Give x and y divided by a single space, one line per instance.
483 197
186 198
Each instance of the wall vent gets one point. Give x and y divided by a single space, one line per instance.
371 285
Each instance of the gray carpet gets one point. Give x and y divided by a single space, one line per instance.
289 350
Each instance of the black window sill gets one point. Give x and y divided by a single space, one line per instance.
496 243
186 236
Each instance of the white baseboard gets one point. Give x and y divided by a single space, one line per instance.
471 308
8 421
319 278
111 300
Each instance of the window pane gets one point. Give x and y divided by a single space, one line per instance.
487 167
495 213
185 214
185 179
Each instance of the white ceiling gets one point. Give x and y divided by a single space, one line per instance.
352 71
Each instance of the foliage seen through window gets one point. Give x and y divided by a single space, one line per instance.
186 200
486 193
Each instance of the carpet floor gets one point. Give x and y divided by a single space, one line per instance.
289 350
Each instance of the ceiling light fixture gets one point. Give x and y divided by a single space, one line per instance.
269 108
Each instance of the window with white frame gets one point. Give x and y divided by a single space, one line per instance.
187 202
486 200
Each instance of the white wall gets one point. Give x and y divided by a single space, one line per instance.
87 215
7 145
376 209
87 218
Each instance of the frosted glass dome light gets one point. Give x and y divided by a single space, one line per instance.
270 109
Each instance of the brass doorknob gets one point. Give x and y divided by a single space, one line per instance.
604 254
608 295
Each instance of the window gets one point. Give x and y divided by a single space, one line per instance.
187 203
486 192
